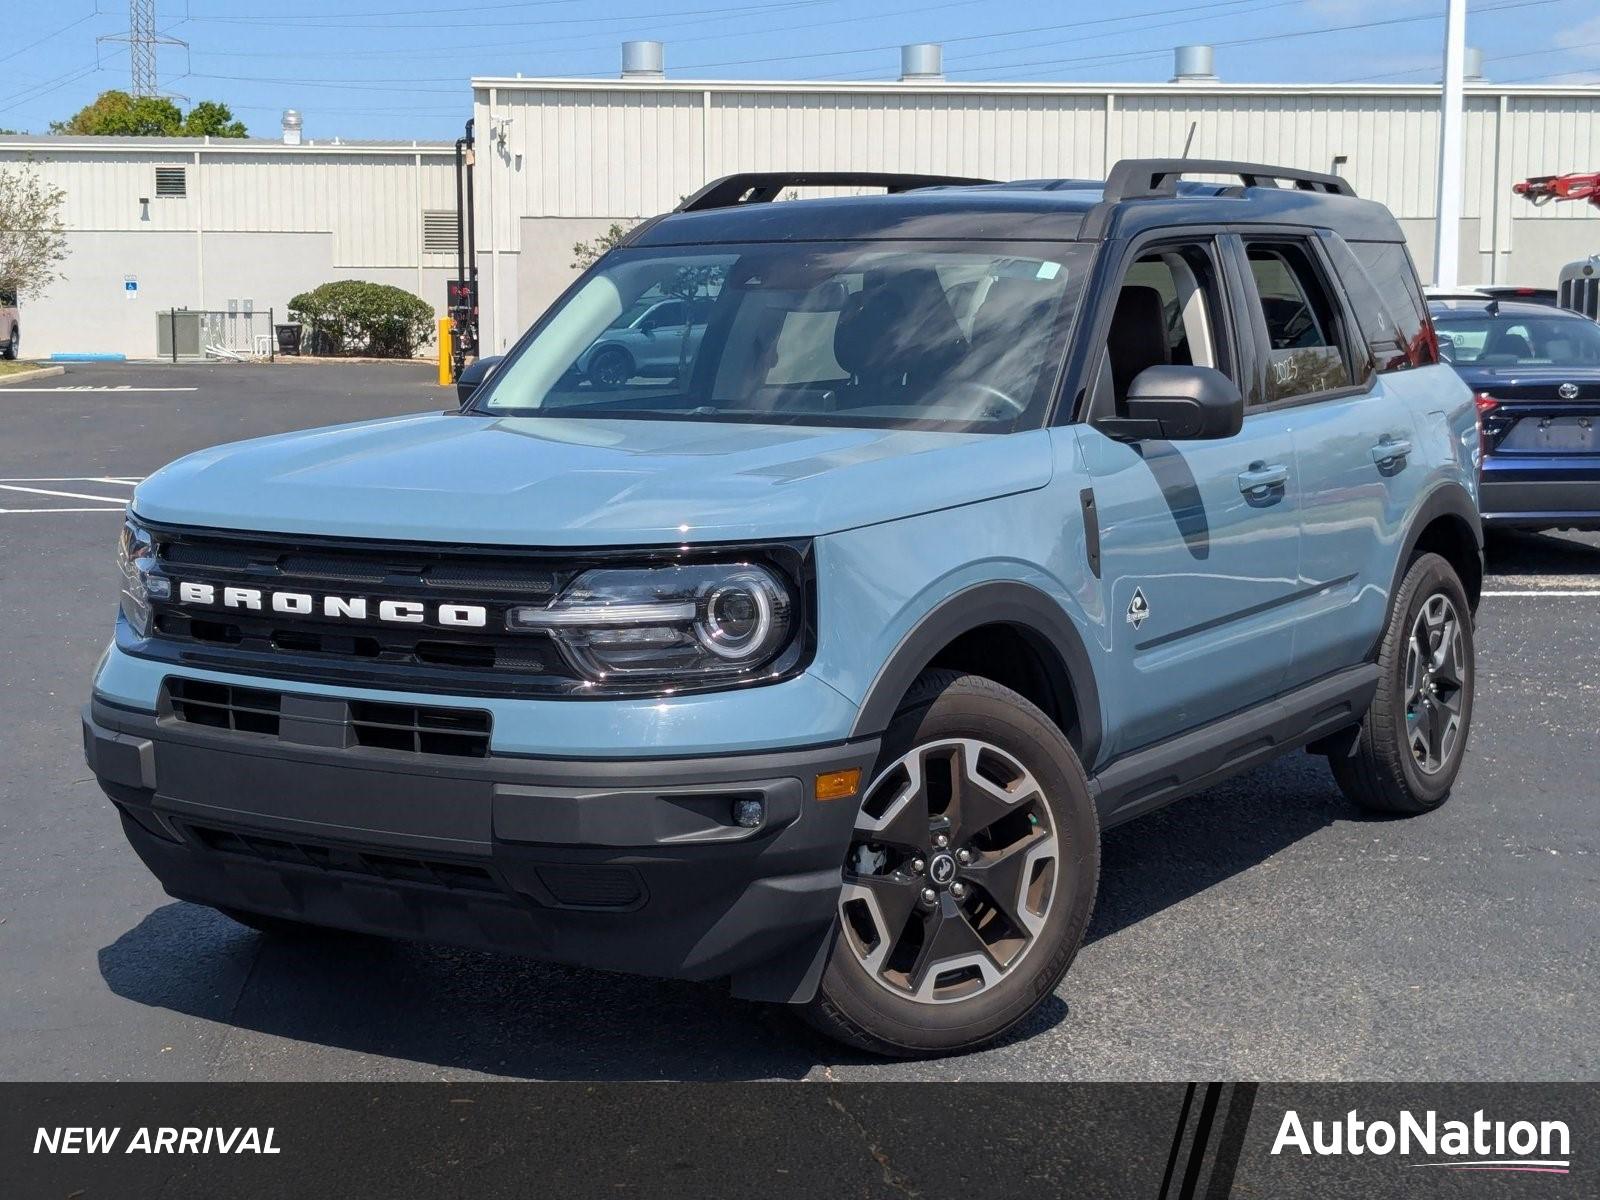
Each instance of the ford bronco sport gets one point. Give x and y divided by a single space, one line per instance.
980 517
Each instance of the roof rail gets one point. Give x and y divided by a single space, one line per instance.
758 187
1141 178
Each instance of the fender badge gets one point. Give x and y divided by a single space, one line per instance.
1138 608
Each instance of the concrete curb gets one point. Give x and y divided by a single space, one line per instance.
329 360
27 376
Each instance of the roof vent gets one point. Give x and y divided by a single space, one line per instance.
291 127
1194 64
921 62
1474 66
644 60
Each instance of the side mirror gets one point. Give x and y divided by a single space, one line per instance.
1177 404
473 374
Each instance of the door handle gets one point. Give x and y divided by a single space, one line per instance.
1389 450
1260 478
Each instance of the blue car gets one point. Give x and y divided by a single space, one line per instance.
982 517
1536 374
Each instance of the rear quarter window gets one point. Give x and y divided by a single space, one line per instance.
1395 319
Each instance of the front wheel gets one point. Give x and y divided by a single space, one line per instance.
970 877
611 368
12 346
1415 732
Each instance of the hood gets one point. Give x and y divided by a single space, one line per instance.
546 481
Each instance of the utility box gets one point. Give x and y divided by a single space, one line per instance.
178 334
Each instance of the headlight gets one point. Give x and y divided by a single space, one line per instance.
692 621
136 558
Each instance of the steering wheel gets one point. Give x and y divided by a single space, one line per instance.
997 402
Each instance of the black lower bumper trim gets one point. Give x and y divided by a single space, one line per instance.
626 865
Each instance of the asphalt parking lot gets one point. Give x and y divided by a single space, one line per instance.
1263 930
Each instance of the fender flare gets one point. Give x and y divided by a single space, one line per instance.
999 602
1447 500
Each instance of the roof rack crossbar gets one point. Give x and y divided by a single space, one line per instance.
759 187
1142 178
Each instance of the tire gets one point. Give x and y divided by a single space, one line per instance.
918 993
1398 766
12 346
610 368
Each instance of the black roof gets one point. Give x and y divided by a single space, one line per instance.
1140 195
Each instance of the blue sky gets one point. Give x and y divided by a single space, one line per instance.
394 68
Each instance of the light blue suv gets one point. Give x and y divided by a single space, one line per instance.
981 517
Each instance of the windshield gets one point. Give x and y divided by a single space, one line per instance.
1518 341
879 334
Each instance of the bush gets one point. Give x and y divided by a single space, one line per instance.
352 316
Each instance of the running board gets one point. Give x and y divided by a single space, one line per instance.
1147 779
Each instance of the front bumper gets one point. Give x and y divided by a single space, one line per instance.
626 864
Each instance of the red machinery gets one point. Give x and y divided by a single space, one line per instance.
1542 189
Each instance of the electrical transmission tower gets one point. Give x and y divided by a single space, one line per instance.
142 40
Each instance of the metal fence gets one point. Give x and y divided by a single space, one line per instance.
234 334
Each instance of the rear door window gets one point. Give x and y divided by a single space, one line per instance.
1306 350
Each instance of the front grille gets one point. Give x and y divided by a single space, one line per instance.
399 616
392 868
420 730
223 706
485 658
407 728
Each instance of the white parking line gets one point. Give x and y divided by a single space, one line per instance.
122 479
12 512
88 388
1565 593
12 487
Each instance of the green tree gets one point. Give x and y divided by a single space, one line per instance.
33 239
117 114
210 118
586 254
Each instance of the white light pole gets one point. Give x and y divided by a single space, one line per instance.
1447 230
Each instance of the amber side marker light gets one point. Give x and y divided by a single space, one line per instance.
838 785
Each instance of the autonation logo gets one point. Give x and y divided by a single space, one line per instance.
1480 1144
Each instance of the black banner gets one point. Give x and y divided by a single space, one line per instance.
1162 1141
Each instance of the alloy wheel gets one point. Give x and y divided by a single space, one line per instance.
951 872
610 368
1435 684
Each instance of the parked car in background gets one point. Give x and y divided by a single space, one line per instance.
1536 373
10 326
653 339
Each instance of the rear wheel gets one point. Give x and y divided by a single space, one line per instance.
13 345
1414 734
970 879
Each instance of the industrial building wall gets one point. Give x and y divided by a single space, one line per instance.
559 161
254 225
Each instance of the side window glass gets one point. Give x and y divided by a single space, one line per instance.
1305 355
1388 268
1168 311
664 315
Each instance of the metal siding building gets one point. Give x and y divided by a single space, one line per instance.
560 159
213 223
